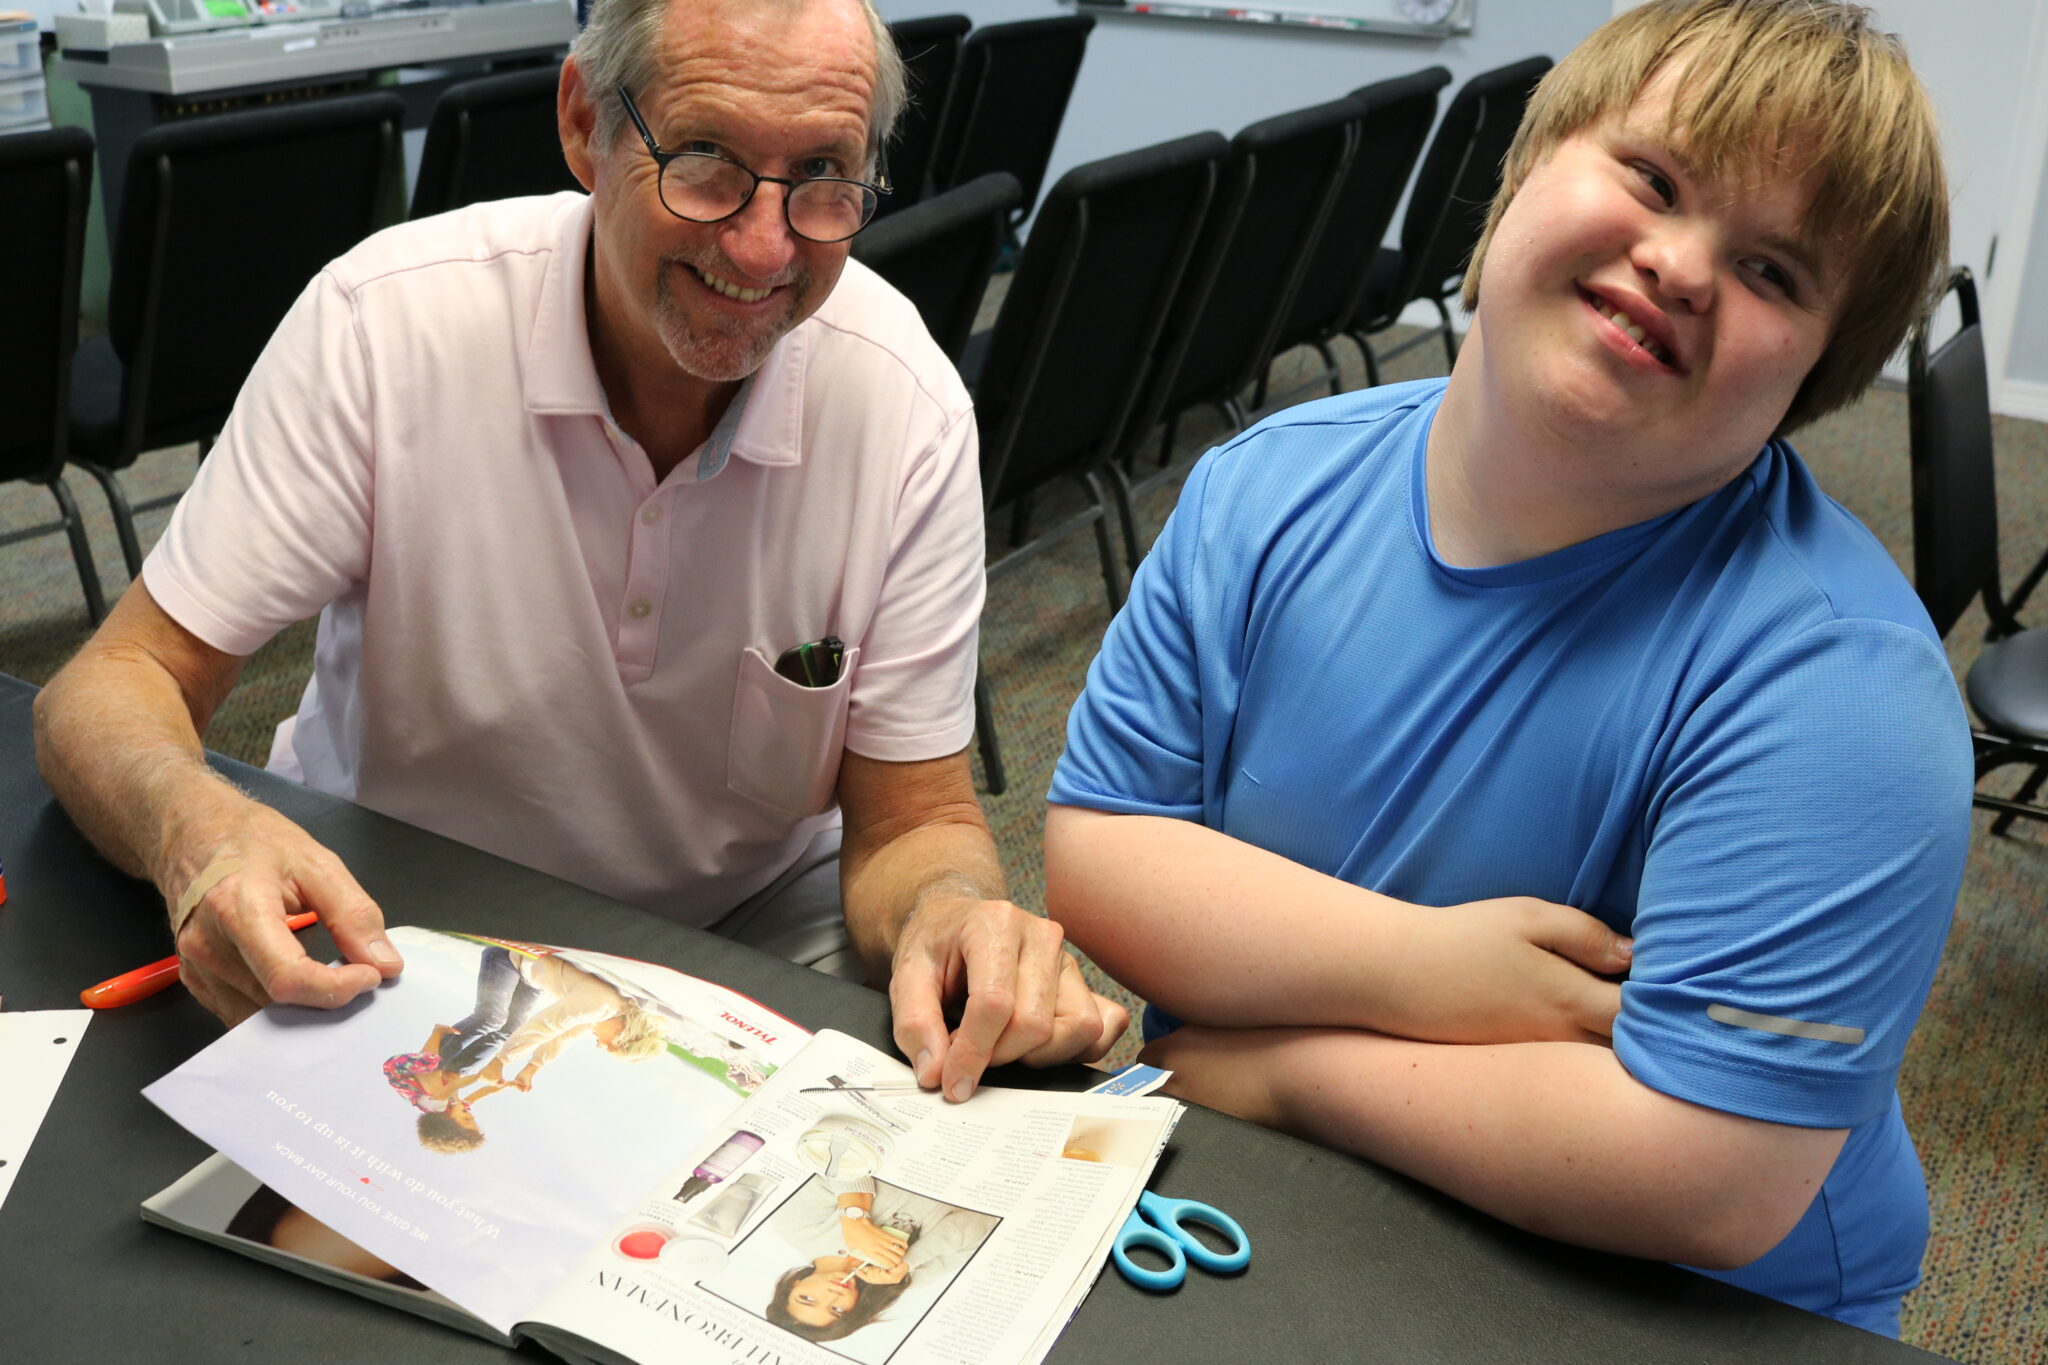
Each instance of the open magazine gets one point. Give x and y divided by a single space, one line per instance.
627 1164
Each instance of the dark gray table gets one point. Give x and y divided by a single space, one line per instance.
1351 1262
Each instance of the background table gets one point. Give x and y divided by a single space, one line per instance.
1350 1262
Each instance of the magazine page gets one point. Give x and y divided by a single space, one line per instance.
978 1224
219 1202
482 1120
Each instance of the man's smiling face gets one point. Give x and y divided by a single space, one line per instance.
784 91
1641 309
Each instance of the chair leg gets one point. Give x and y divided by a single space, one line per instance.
1020 520
1234 412
1330 364
81 550
985 735
2027 792
124 520
1259 392
1112 577
1166 440
1372 362
1450 336
1120 489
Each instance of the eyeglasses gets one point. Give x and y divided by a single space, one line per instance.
703 187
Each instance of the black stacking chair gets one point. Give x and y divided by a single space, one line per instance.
1279 183
492 138
1104 261
45 182
1008 101
941 253
1955 553
931 53
1446 208
1394 117
223 221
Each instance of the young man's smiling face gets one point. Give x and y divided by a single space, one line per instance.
1658 319
784 91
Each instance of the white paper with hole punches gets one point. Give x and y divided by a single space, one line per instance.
36 1048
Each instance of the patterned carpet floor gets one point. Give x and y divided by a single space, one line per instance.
1975 1082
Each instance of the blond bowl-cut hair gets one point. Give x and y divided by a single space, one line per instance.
642 1033
1801 87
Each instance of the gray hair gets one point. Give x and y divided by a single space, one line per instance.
620 44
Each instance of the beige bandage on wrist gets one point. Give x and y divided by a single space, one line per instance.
213 875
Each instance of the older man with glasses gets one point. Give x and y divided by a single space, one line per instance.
646 537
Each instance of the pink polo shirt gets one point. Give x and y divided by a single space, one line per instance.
528 644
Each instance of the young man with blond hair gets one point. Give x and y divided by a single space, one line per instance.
1424 680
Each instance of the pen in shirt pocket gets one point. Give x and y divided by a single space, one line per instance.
815 664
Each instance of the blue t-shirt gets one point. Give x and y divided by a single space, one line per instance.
1730 731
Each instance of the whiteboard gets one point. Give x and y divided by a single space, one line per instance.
1336 16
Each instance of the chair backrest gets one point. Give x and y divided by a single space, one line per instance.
45 182
1009 99
1105 258
931 53
1394 118
492 138
941 253
1279 183
1955 490
1457 181
224 220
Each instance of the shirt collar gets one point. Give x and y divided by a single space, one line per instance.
764 424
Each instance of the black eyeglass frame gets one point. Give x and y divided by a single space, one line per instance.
662 160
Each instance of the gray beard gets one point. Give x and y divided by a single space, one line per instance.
716 357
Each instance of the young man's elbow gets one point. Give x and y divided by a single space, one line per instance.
1737 1236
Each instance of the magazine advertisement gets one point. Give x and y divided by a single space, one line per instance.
627 1164
481 1120
868 1221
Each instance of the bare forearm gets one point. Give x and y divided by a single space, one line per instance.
885 882
1216 930
118 745
1220 932
1556 1138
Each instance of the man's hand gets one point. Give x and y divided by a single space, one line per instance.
235 953
117 739
923 896
1025 999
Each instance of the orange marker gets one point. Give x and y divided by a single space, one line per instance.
144 982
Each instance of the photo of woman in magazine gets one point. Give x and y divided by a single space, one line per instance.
853 1262
268 1219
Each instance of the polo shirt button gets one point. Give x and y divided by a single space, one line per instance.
651 513
640 607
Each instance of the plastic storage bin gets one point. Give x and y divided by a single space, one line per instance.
20 51
22 104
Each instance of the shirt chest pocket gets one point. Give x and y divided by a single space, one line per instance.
786 739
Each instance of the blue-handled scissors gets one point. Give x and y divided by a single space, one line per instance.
1157 1224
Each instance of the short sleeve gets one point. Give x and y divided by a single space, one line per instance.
1134 739
913 689
277 523
1805 846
